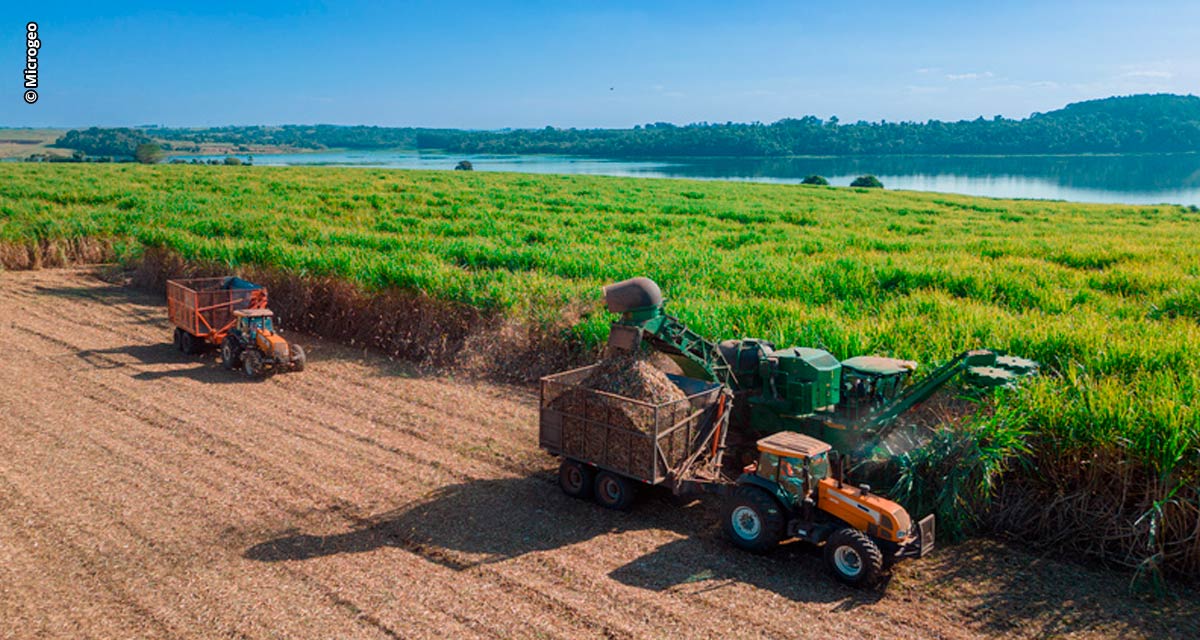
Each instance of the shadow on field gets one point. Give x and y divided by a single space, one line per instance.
1002 590
140 305
486 521
708 563
206 369
465 525
1030 595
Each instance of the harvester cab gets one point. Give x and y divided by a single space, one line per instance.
790 492
254 345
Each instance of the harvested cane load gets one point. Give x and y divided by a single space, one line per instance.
632 376
621 430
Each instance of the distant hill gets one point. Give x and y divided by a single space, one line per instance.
1141 123
1127 124
1139 108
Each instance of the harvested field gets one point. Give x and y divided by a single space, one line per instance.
148 494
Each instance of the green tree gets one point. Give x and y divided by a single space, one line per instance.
815 179
149 153
232 161
868 181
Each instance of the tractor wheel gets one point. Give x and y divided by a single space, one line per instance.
576 479
889 551
179 338
230 350
854 558
612 491
753 520
252 363
298 358
189 344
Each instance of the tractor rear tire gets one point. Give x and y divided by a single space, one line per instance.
230 350
854 558
252 363
576 479
753 520
612 491
298 358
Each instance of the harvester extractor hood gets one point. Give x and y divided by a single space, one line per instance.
634 294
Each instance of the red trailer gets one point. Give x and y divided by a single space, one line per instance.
202 308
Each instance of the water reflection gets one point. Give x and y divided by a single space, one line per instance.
1135 179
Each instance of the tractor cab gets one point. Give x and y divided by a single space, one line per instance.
789 466
253 320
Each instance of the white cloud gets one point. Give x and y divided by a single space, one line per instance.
1148 73
969 76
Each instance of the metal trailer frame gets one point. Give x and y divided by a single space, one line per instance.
683 451
204 307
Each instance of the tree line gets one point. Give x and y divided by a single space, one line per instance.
1130 124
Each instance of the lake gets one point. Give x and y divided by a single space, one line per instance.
1132 179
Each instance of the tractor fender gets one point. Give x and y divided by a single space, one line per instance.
773 489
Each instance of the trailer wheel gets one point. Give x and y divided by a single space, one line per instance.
753 520
252 363
298 358
613 491
229 353
189 344
576 479
179 338
854 558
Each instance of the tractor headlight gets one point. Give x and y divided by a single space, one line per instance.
901 534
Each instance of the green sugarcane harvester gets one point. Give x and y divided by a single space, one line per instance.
852 404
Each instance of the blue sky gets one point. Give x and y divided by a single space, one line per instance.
586 64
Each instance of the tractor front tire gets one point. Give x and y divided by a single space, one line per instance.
753 520
576 479
230 350
298 358
612 491
854 558
252 363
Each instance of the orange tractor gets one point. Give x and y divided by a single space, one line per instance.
232 314
790 492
